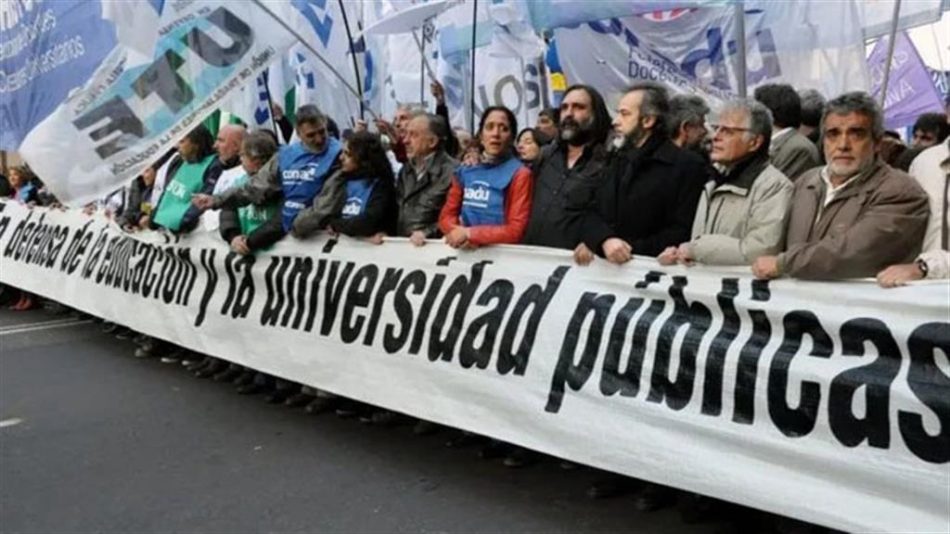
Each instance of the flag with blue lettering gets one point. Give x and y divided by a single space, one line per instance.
48 49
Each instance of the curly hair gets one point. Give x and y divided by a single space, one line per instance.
367 150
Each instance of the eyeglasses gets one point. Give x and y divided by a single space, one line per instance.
728 130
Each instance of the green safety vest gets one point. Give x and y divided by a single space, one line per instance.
177 196
252 217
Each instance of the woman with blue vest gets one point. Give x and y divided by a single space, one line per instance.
489 203
359 199
194 172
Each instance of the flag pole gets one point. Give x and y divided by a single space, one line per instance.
739 8
313 51
890 52
471 115
356 66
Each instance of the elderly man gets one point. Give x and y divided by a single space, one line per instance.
932 170
569 171
791 152
856 215
228 147
648 196
741 214
424 180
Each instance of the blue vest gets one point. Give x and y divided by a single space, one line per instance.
483 192
358 193
302 174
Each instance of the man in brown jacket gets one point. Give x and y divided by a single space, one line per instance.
855 216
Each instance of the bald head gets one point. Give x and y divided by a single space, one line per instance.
228 143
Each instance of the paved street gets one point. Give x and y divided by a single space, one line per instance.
92 439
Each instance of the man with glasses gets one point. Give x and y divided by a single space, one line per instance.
856 215
741 212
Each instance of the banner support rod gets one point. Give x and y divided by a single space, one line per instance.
739 8
890 52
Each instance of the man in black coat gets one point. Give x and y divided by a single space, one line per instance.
648 197
569 171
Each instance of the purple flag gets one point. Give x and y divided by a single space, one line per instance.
910 89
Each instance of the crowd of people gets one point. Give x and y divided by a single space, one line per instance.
789 184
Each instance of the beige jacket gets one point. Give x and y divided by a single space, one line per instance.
743 218
932 170
877 220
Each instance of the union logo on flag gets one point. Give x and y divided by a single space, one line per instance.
666 15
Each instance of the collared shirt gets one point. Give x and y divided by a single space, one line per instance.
780 133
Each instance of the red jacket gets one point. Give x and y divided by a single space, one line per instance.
517 211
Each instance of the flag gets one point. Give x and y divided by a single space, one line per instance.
910 87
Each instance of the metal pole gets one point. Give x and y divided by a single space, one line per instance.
471 116
312 50
740 41
890 52
422 68
356 65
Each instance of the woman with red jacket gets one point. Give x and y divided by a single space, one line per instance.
489 203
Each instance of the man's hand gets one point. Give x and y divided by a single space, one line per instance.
377 238
88 209
765 267
684 254
277 112
239 245
144 222
583 255
360 126
386 128
458 237
471 158
438 92
899 275
202 201
617 250
418 238
669 256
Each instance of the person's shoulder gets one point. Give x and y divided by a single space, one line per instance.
934 155
893 183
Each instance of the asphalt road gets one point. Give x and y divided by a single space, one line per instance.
93 440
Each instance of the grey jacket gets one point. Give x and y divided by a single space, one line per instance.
877 220
793 154
420 195
742 218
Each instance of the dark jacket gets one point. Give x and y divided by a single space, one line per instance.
562 197
420 196
229 226
648 198
379 215
138 194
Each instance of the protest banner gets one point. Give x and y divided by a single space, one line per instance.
821 401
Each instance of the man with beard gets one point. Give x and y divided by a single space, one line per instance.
856 215
648 197
688 123
569 171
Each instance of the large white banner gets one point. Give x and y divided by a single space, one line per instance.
127 116
694 50
829 402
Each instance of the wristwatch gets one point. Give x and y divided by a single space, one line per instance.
922 265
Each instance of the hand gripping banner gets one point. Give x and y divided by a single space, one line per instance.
828 402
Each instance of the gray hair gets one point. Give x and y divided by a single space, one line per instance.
686 109
655 103
413 109
310 114
259 145
758 116
857 102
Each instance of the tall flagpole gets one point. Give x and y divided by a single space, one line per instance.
471 116
356 65
740 42
890 52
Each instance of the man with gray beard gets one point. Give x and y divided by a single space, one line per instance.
569 171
